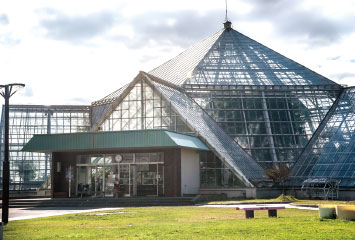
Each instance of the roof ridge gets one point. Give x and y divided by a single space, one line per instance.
108 98
186 64
190 47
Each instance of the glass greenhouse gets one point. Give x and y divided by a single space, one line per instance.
251 106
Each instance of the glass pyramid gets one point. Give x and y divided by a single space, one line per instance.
269 104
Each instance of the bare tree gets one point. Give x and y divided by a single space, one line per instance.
279 174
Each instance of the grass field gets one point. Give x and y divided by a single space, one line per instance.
182 223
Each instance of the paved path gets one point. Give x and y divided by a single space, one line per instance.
257 205
29 213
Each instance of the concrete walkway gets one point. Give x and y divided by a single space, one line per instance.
257 205
29 213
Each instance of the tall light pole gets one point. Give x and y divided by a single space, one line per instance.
7 91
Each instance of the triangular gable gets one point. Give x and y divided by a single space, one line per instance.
211 133
140 107
104 107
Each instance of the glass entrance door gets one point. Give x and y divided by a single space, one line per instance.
127 175
96 180
148 179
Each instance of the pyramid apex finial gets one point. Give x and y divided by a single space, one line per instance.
227 25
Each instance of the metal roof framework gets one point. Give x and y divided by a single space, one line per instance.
231 58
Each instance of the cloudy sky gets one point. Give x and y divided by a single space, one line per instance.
76 52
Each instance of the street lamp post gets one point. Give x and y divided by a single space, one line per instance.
7 91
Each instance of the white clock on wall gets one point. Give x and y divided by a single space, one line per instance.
118 158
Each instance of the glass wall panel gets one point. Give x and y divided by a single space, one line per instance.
332 152
143 108
291 116
214 173
30 170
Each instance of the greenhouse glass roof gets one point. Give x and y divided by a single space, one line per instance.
179 68
229 57
111 97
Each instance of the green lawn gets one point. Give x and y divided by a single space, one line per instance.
182 223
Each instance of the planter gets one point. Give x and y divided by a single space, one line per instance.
327 211
346 212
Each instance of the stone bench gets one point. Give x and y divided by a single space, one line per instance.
249 211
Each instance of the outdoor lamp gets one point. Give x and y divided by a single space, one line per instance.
7 91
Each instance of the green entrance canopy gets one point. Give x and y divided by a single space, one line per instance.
112 140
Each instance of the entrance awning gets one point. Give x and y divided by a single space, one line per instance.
156 138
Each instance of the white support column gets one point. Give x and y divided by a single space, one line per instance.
134 170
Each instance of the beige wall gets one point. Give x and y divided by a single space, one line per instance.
190 172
